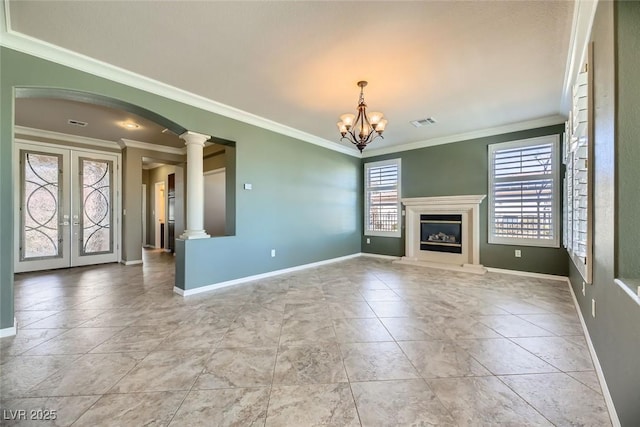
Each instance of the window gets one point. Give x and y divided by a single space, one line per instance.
523 192
382 198
578 179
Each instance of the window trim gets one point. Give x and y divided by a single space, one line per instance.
367 166
556 209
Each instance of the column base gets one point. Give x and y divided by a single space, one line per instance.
194 234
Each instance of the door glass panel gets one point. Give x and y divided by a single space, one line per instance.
40 206
96 218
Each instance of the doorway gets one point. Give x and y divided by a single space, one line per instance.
159 214
68 207
144 215
215 202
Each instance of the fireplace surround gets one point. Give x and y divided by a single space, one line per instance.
458 230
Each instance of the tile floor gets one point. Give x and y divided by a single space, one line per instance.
362 342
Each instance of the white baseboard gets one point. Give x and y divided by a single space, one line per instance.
214 286
9 332
528 274
390 257
134 262
603 383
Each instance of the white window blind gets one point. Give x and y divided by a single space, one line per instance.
382 198
523 192
578 158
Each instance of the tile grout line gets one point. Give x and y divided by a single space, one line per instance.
273 372
344 367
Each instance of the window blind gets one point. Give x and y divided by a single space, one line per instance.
382 202
523 192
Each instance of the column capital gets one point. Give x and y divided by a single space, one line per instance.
195 138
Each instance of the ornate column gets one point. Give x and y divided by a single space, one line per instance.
195 186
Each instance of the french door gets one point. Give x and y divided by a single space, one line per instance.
68 207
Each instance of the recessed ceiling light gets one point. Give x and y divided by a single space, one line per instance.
129 125
423 122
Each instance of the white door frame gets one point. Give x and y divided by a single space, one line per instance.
157 219
67 152
144 215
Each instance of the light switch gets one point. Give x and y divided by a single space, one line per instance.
248 187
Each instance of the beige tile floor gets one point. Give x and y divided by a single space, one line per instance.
362 342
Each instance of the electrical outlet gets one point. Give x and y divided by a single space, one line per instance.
368 241
584 292
273 253
593 308
518 253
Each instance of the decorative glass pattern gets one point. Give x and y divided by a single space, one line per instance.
95 181
40 202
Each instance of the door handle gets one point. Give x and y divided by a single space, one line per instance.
64 223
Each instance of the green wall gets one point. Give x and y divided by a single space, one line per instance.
615 330
305 203
459 169
628 136
291 178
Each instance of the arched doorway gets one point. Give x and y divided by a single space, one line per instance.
73 151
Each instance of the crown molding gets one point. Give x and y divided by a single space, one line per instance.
65 137
499 130
94 142
583 14
50 52
131 143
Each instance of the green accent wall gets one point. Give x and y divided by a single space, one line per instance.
615 331
461 168
306 200
305 203
628 137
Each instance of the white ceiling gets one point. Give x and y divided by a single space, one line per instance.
102 122
471 65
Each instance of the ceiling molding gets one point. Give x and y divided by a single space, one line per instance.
583 14
130 143
499 130
50 52
65 137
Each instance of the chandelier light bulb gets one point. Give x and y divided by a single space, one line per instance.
342 128
382 124
375 117
348 119
365 130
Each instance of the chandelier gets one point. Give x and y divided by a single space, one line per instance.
364 127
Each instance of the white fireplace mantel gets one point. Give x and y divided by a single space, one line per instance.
469 208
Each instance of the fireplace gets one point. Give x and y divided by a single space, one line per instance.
441 233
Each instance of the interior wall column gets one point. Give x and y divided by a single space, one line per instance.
195 186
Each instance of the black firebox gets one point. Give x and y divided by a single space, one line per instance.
441 233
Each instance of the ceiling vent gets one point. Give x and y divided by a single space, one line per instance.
77 123
423 122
